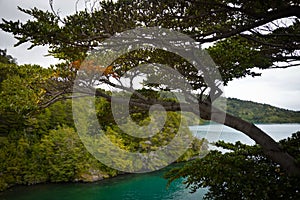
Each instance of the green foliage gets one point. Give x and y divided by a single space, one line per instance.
49 151
123 140
242 173
39 145
64 155
21 90
58 114
59 156
237 56
6 59
261 113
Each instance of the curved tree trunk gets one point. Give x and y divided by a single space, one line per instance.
270 147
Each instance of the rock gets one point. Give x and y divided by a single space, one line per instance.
92 175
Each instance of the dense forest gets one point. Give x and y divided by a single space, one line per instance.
46 148
261 113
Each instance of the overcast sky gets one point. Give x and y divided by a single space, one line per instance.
280 87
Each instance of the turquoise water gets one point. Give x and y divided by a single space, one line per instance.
149 186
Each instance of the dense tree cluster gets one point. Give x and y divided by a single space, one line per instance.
261 113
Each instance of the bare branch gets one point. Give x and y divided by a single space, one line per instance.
54 12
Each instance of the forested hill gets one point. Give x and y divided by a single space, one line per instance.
261 113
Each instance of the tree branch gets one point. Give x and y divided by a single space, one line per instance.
268 17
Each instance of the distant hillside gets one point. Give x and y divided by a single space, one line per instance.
248 110
261 113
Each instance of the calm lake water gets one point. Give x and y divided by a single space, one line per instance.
149 186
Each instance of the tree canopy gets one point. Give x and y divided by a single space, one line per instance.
269 28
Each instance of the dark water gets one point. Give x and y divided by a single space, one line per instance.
149 186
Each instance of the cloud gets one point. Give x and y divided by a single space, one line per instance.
37 55
278 87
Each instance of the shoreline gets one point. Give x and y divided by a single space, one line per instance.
120 175
103 175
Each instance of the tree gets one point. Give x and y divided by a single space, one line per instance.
6 59
21 92
265 179
246 34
